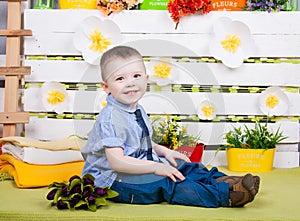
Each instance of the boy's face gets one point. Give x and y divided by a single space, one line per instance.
127 80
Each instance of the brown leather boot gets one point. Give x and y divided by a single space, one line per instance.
256 183
232 180
242 192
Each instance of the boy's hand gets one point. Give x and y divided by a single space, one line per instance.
162 169
173 155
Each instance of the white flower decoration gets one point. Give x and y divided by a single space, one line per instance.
232 42
162 72
54 97
273 101
206 110
94 37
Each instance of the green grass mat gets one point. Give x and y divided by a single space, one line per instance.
278 199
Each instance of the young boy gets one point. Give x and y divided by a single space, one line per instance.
119 153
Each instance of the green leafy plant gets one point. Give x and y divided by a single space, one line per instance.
79 193
169 133
257 138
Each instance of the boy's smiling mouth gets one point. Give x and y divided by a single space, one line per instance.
131 92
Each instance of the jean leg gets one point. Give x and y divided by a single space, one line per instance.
191 193
142 189
198 172
198 189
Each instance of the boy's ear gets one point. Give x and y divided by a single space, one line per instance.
105 87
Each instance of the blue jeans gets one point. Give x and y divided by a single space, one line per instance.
198 189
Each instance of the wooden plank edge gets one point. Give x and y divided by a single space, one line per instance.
14 117
15 32
12 71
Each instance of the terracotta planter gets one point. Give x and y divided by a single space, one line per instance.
250 160
194 153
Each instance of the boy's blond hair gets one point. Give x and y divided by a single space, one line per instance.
118 52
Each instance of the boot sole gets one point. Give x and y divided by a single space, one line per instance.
256 183
249 184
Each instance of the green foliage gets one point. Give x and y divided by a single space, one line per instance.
169 133
257 138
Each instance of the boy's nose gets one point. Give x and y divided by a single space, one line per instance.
130 83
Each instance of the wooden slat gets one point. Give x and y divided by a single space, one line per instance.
12 59
1 98
52 129
159 21
21 70
250 74
185 44
211 133
14 118
184 103
15 33
157 25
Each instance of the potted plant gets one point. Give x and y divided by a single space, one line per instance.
169 133
251 149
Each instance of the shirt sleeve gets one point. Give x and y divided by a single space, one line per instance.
109 137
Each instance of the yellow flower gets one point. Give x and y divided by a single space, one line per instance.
55 97
162 70
103 104
272 101
174 142
99 42
207 110
172 135
231 43
165 137
95 36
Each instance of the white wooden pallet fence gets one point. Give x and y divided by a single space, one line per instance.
276 35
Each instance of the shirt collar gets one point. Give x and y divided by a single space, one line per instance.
112 101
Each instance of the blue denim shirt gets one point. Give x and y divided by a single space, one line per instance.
116 126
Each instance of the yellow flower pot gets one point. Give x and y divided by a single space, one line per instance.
250 160
73 4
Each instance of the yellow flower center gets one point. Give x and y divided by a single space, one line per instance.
272 101
207 110
231 43
55 97
162 70
103 103
99 42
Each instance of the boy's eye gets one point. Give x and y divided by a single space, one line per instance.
119 78
137 75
